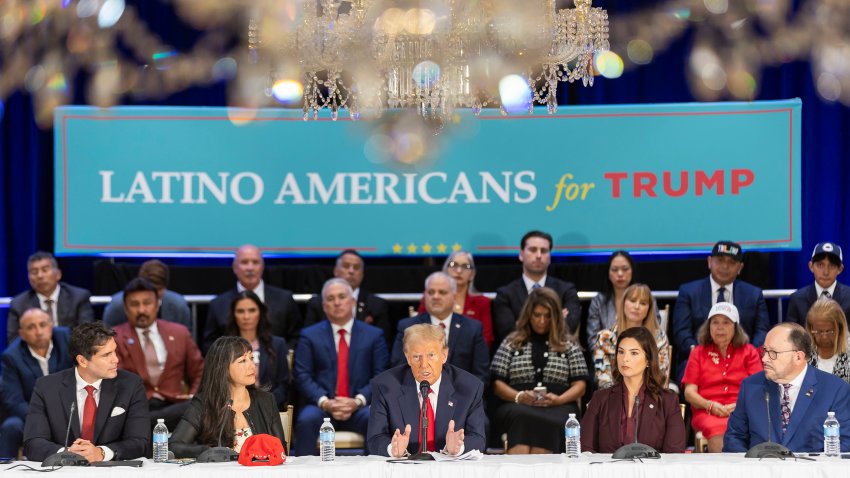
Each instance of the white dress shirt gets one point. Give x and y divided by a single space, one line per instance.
43 362
830 289
158 343
260 290
447 323
108 454
727 291
529 284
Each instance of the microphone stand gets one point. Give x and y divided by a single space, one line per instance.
422 454
65 457
636 449
768 449
220 454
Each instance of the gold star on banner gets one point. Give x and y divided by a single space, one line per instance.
455 247
426 248
441 248
397 248
411 248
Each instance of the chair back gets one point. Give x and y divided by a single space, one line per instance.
286 420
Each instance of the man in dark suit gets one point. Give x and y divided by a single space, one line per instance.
467 349
800 397
66 305
696 299
161 352
110 412
827 262
248 267
369 307
40 350
334 362
454 405
536 255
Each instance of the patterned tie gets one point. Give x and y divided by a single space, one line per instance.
826 294
49 309
536 286
89 412
721 295
785 406
151 360
342 366
431 442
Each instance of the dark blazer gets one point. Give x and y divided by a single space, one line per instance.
660 426
820 393
693 305
21 370
262 414
371 309
275 374
316 360
510 299
128 433
396 404
183 365
467 349
73 305
801 301
283 314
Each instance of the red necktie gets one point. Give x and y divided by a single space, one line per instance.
431 446
89 412
342 366
442 326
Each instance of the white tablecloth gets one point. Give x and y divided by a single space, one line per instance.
529 466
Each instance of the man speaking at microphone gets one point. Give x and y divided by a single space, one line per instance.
454 407
799 398
110 410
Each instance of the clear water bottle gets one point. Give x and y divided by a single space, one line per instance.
831 435
572 434
327 440
160 441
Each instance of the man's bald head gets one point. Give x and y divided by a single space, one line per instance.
36 328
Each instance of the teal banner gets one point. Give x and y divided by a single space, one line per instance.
669 177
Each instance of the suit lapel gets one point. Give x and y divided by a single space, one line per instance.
812 296
445 410
68 395
108 393
62 302
455 330
134 346
648 419
172 354
801 406
408 401
30 362
330 351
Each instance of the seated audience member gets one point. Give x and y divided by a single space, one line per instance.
800 397
39 350
827 262
535 254
538 354
828 326
467 349
249 319
228 407
173 307
602 313
636 310
468 302
334 362
371 309
610 420
454 403
66 305
248 267
722 285
715 370
110 420
161 352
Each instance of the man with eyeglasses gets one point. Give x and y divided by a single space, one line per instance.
800 397
827 262
454 404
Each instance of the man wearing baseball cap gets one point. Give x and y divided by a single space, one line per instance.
722 285
827 262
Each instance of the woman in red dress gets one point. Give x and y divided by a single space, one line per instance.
715 370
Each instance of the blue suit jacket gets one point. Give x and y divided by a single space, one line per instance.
275 375
21 370
467 349
820 393
396 404
316 360
694 303
802 299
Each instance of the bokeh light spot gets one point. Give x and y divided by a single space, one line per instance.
224 69
426 73
640 52
287 91
110 13
515 94
608 64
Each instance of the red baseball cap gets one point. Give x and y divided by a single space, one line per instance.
262 450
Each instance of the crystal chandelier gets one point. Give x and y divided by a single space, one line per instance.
435 56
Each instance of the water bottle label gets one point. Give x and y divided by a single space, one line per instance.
572 432
160 438
326 436
830 431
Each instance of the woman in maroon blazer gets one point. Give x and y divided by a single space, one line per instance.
609 422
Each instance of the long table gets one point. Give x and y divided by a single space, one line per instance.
528 466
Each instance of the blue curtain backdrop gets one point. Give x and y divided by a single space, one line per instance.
26 152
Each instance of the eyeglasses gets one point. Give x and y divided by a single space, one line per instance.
774 353
460 267
817 333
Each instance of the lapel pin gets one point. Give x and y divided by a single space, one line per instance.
171 338
810 392
457 326
451 403
651 406
130 341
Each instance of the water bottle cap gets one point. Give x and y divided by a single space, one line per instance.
162 420
572 415
327 419
830 414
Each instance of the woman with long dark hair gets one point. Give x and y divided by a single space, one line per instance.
249 319
228 404
610 420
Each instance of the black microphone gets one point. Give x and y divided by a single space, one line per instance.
637 415
65 457
638 450
422 454
768 449
220 453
